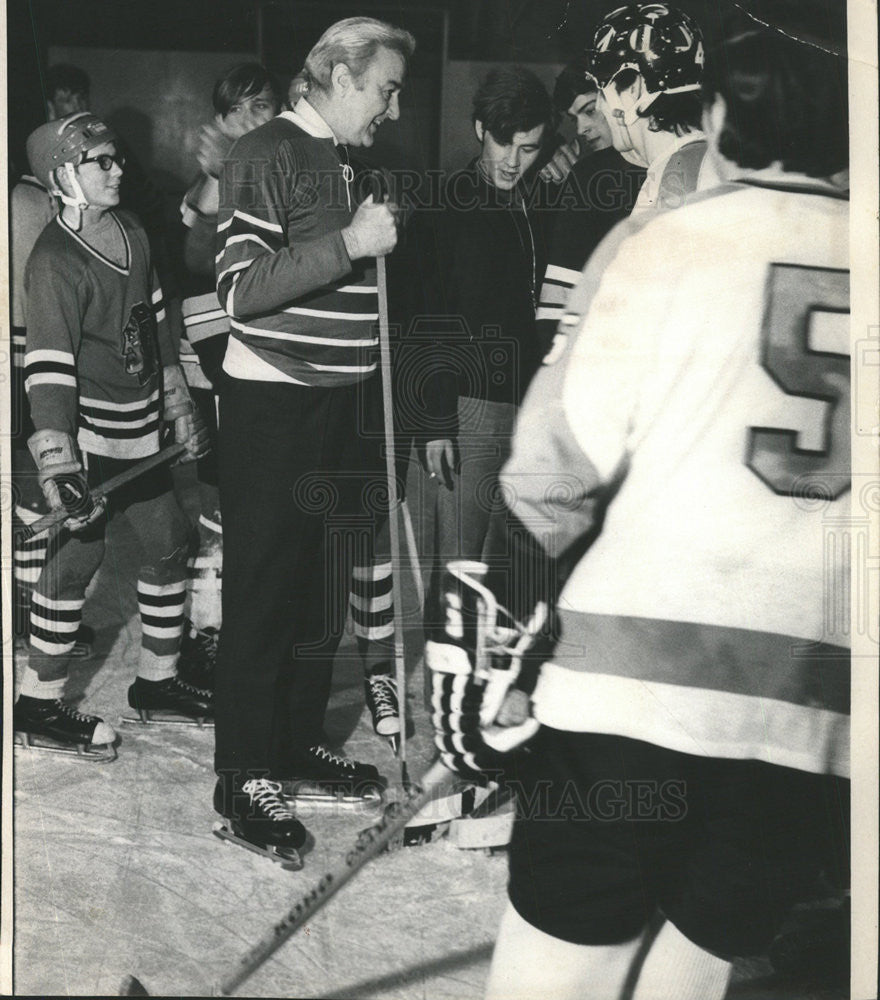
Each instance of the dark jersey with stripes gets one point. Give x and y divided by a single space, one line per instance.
97 340
300 310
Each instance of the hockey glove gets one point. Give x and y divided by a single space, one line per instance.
478 714
189 428
62 479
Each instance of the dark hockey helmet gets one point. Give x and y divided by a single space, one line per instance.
659 41
52 145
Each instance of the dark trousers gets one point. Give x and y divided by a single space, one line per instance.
295 510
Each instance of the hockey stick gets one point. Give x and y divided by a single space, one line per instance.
369 843
394 501
105 489
414 563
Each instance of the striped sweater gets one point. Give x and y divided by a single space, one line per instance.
97 339
31 209
300 310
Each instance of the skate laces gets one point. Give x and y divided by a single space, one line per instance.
190 688
383 690
334 758
201 642
72 712
267 795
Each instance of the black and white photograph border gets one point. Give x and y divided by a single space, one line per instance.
117 874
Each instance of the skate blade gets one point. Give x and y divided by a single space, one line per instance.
288 857
146 717
84 752
303 795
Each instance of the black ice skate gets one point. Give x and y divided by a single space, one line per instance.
384 706
50 725
257 818
198 656
170 702
321 777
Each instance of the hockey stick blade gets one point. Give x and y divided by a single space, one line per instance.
370 842
105 489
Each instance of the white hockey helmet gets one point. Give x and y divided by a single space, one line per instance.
61 144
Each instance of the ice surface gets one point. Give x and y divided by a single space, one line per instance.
117 871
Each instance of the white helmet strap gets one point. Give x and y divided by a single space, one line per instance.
78 198
632 110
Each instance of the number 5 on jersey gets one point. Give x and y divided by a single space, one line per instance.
796 293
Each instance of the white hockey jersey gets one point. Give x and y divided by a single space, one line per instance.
707 378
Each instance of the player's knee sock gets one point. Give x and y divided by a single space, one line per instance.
28 559
372 612
205 574
161 595
676 967
53 626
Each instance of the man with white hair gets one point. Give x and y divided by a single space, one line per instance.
296 273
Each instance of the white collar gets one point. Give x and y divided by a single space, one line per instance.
309 120
658 165
650 189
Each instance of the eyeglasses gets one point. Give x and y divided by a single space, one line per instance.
105 160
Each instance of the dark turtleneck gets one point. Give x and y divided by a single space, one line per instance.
484 290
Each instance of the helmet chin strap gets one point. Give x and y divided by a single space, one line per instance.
629 109
77 201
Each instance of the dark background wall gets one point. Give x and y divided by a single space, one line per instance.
153 62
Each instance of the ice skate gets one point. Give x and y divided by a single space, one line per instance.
258 818
198 656
382 701
322 778
170 702
51 726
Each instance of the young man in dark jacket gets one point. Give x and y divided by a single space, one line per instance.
492 259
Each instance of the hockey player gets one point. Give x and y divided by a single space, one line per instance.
604 187
296 275
244 97
647 59
31 209
101 377
682 790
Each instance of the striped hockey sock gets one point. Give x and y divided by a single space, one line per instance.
54 624
28 559
372 605
161 597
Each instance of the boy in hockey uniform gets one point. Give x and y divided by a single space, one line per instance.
296 275
687 778
102 378
31 209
